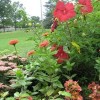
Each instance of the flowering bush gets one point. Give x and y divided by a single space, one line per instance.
66 52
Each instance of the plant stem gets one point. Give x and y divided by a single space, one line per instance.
16 50
70 34
17 55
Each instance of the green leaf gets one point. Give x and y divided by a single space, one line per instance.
30 78
15 85
74 44
24 95
34 93
50 91
19 74
42 90
58 99
5 94
58 84
10 98
64 93
54 79
1 98
36 87
16 94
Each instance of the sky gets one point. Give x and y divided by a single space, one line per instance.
33 7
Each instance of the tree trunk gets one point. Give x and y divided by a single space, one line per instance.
3 24
3 27
15 23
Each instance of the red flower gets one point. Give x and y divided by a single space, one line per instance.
13 42
86 6
44 43
64 11
54 25
61 55
30 52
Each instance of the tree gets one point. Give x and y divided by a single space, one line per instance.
48 15
5 12
16 7
23 18
35 20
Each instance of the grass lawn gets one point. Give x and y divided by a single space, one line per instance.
23 46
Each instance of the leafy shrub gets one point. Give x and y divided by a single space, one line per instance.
66 53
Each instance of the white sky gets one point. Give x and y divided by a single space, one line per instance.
33 6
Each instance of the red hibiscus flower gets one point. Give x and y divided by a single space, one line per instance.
30 52
86 6
13 42
61 55
64 11
54 25
44 43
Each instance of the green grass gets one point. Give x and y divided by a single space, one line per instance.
23 46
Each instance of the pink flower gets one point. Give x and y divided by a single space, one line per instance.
64 11
86 6
73 88
3 68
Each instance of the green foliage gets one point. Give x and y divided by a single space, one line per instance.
35 20
64 93
14 14
21 80
97 66
5 12
43 77
19 15
3 95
